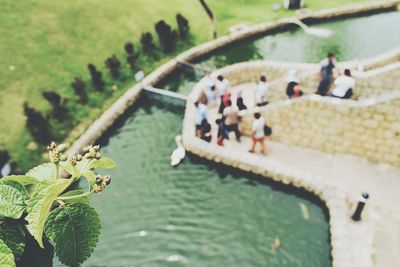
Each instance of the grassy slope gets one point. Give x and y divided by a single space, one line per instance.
50 42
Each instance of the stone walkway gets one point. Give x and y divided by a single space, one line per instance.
379 230
353 175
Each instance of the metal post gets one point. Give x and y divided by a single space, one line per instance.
360 206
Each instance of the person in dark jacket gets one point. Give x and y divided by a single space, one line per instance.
327 66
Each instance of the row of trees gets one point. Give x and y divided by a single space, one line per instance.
39 124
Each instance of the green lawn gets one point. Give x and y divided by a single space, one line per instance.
50 42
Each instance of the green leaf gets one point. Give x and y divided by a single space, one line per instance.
46 171
12 199
22 179
103 163
14 237
40 203
82 168
75 229
16 185
83 199
6 256
68 167
90 177
82 165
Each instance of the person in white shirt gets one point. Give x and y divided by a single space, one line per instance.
293 87
223 91
208 80
262 92
210 89
222 85
258 134
200 115
344 85
232 119
211 94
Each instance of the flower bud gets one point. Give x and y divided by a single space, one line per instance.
54 156
63 157
107 179
62 148
98 155
53 145
92 152
79 157
72 160
99 180
98 188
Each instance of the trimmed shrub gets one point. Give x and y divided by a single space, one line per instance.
129 48
148 45
79 88
166 35
60 112
132 57
53 98
37 124
4 158
113 65
96 76
183 26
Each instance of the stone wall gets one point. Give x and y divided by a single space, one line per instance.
377 80
367 128
276 73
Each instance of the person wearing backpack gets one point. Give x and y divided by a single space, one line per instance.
258 136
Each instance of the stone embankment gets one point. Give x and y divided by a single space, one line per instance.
367 127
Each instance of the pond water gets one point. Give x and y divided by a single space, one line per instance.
197 214
201 214
351 39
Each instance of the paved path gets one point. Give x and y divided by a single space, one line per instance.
381 219
353 175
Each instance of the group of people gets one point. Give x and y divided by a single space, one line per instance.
343 84
218 92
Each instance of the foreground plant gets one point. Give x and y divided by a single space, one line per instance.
46 203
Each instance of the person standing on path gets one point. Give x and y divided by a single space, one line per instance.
232 119
223 91
210 89
239 101
206 131
221 134
222 85
258 134
262 92
327 66
200 115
